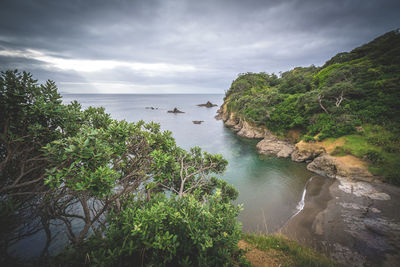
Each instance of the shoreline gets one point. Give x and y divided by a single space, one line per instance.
354 228
315 154
348 214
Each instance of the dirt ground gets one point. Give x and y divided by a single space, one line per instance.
260 258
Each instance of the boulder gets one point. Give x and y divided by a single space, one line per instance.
271 145
324 165
341 167
306 151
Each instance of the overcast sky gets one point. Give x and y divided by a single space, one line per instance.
150 46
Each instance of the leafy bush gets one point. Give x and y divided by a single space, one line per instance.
167 232
107 181
374 156
308 138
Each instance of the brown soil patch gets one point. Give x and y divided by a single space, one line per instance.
350 160
330 146
259 258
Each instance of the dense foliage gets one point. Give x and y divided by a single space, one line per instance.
165 232
124 192
343 97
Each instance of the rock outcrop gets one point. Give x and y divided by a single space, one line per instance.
324 165
207 105
219 114
232 120
251 131
341 167
222 113
306 151
271 145
238 126
175 110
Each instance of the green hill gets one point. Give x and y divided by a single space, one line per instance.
354 95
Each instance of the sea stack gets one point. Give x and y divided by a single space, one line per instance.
207 105
175 110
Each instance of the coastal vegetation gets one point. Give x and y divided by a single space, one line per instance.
122 192
354 96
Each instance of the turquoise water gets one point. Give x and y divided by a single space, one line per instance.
269 188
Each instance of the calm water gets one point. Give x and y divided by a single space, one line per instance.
270 188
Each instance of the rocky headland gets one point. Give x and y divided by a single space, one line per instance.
316 155
353 217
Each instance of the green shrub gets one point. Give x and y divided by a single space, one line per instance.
393 176
374 156
391 149
166 232
308 138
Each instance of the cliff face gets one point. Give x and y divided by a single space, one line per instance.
319 161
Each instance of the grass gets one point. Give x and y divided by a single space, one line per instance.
292 253
379 147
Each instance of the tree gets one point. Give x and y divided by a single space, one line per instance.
31 116
183 172
165 231
82 169
98 168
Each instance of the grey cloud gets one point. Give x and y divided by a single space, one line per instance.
218 38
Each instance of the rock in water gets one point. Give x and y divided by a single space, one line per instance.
175 110
207 105
271 145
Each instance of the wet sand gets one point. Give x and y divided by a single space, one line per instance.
355 223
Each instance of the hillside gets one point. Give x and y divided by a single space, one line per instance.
354 96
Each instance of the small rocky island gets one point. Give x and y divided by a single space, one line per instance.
207 105
197 122
175 110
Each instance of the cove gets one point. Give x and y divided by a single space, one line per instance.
270 189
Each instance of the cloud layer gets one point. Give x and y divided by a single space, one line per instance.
179 46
